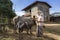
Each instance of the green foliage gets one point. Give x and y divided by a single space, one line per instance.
6 8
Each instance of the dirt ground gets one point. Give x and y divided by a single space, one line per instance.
25 36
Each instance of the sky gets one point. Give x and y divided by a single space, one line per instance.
18 5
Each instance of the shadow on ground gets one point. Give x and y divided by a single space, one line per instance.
23 36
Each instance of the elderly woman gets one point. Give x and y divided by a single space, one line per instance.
40 24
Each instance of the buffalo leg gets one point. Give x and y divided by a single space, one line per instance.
20 30
27 31
30 31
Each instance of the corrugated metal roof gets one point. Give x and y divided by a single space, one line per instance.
56 14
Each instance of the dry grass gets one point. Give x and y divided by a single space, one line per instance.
53 28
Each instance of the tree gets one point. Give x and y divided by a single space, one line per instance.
6 10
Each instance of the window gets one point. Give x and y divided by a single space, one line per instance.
30 11
40 8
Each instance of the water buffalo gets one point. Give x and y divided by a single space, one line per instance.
24 23
15 21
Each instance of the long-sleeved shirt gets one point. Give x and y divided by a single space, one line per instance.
40 20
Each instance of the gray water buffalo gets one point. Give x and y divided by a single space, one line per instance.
23 23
